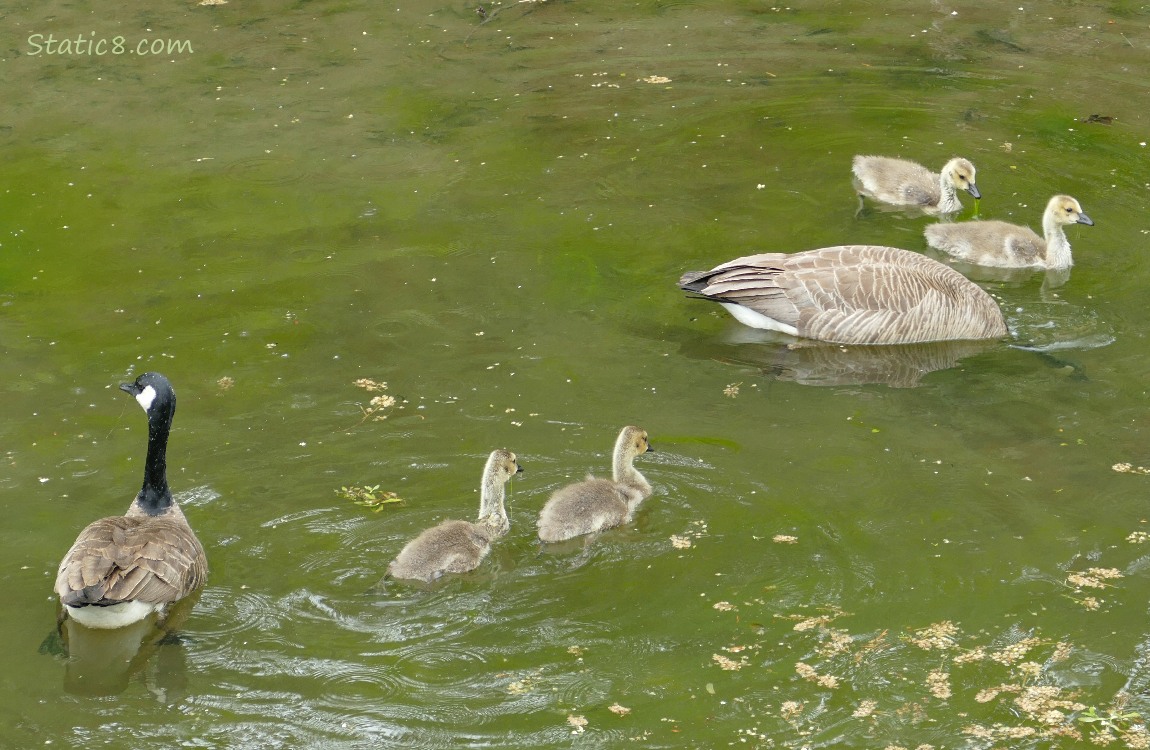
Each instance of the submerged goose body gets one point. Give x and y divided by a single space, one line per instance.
997 243
852 294
460 546
900 182
596 504
123 568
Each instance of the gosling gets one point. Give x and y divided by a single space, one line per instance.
459 546
905 183
594 504
1003 245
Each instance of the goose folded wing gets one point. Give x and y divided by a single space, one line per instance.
854 294
881 299
126 559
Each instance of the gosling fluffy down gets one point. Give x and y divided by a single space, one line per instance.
906 183
1003 245
459 546
596 504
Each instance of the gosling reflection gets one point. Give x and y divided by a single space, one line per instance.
1052 278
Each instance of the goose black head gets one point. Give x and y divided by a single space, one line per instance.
153 392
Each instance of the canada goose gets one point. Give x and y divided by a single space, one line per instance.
597 504
459 546
852 294
907 183
123 568
997 243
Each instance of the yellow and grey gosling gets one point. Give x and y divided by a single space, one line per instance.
459 546
997 243
906 183
596 504
851 294
123 568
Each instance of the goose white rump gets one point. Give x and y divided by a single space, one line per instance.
115 616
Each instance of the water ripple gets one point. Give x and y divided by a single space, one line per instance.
266 170
196 497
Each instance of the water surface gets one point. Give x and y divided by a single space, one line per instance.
490 217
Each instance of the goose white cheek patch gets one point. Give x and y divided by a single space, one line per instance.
146 397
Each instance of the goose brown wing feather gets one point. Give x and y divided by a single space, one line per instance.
130 558
856 294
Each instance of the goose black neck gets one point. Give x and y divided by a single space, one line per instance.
155 497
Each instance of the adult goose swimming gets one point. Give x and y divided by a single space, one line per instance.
123 568
594 504
851 294
997 243
900 182
459 546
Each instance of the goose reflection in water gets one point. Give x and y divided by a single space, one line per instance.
818 363
101 662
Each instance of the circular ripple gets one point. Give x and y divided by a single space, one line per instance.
233 615
265 170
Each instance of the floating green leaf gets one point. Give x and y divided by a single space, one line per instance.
370 497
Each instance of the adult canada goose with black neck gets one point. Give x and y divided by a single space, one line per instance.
123 568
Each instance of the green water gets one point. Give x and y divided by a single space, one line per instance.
490 218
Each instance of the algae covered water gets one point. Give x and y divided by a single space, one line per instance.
484 214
